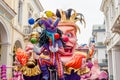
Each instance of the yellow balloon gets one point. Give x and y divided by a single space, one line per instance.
49 13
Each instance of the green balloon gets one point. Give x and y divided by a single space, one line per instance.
33 40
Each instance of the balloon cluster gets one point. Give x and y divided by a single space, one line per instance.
3 72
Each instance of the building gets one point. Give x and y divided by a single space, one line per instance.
111 10
98 33
14 15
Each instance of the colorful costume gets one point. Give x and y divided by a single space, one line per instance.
50 41
57 48
69 38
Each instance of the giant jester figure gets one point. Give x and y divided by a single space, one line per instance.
69 28
56 49
57 45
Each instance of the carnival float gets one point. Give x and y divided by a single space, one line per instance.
52 53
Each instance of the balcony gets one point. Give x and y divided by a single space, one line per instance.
116 26
104 64
98 28
99 45
6 11
27 30
104 61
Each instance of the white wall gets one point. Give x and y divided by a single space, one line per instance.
100 36
101 54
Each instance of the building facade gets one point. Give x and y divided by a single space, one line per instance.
111 10
14 15
98 33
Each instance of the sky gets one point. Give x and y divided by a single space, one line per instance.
89 8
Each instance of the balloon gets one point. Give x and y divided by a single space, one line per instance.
49 13
33 40
56 36
31 21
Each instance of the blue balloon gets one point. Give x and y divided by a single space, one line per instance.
31 21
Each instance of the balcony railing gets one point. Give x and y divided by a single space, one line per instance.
98 28
104 63
115 27
7 10
104 60
27 30
99 45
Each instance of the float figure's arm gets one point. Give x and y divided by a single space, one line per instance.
38 50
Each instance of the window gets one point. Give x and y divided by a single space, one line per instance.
20 6
30 12
112 11
107 19
27 29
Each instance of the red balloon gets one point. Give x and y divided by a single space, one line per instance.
56 36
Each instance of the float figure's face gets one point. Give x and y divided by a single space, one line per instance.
70 33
